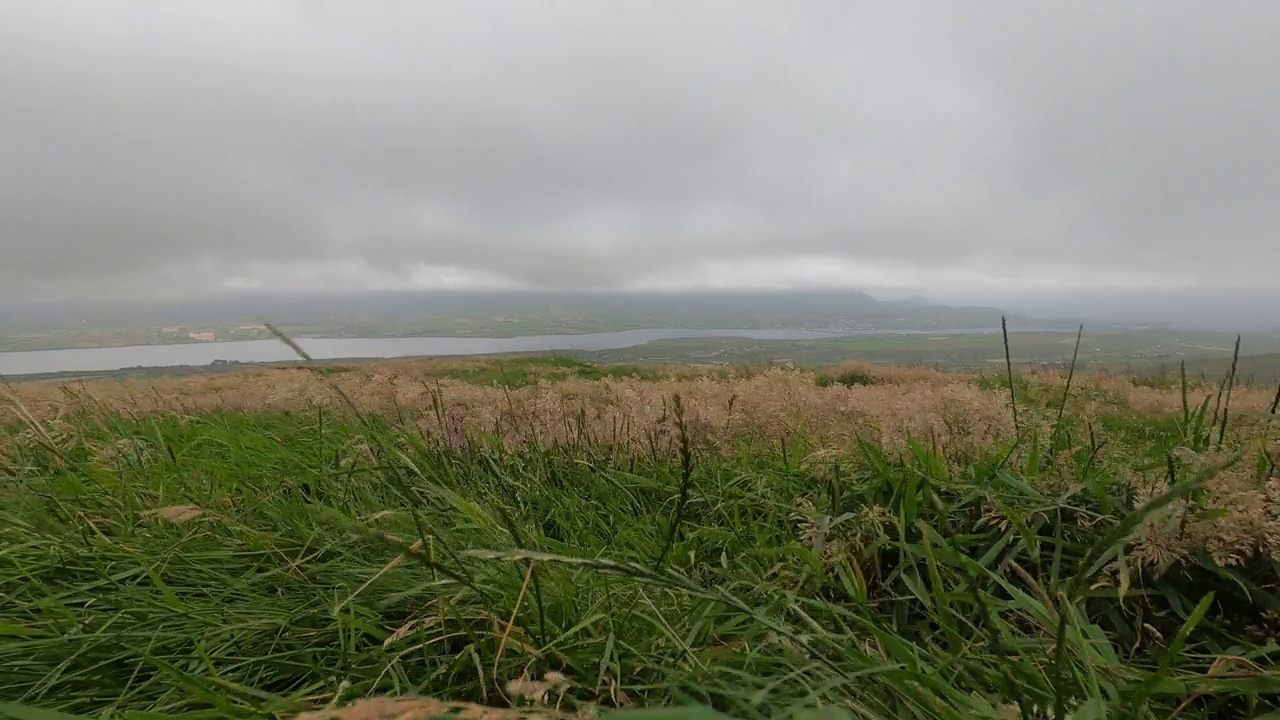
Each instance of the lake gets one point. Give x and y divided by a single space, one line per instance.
250 351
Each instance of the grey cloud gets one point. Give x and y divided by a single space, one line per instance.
584 144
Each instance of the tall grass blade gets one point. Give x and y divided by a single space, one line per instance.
1231 381
1008 364
1071 372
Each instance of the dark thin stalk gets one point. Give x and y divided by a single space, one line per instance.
1071 371
686 482
1217 407
1231 380
1008 364
1061 670
1186 406
293 345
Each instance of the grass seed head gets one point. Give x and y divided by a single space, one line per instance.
178 513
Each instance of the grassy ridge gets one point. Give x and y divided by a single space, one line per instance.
228 563
1138 351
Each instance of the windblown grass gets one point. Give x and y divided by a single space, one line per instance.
385 542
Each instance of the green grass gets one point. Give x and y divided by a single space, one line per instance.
848 378
527 370
1137 351
339 556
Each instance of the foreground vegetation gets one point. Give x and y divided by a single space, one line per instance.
553 540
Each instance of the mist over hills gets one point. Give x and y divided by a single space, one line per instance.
728 309
1239 310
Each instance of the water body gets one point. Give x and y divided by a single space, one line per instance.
252 351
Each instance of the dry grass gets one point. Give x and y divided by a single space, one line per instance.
1236 520
178 513
1143 399
928 405
921 404
427 708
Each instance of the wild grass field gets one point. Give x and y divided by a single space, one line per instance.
1118 351
551 538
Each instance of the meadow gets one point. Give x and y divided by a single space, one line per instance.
1146 351
552 538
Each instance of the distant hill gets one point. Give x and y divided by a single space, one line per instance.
589 310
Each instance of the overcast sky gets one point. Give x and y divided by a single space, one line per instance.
966 149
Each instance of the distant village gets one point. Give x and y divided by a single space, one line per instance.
238 332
